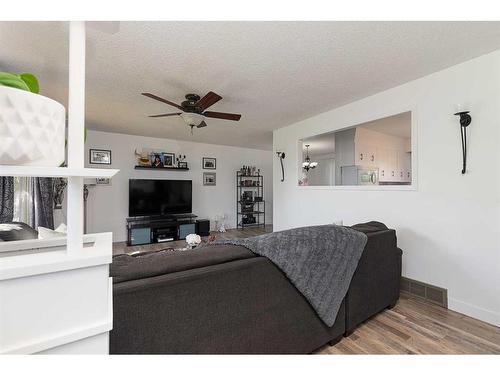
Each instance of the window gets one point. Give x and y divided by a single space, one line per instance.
375 153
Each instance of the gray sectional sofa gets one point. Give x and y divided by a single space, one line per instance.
225 299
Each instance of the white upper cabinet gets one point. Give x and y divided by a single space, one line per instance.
386 152
366 154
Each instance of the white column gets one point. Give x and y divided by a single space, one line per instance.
76 130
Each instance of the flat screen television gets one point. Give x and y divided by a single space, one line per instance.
159 197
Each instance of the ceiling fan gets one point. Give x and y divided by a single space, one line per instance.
194 109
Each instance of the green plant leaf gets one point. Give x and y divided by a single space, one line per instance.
12 80
31 81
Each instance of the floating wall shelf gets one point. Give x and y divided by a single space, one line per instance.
162 168
28 171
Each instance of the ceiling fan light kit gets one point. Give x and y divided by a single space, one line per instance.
193 109
192 118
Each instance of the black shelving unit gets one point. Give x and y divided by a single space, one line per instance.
248 210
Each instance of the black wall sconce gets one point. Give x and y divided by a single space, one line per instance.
281 156
465 121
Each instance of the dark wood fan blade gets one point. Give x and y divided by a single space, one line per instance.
152 96
166 114
202 124
210 99
222 115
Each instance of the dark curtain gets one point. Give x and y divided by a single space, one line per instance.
6 199
42 189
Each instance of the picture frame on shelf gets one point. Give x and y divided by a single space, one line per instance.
209 179
97 156
209 163
182 164
156 160
168 159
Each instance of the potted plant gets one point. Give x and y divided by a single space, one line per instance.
32 126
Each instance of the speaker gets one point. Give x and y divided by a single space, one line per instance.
203 227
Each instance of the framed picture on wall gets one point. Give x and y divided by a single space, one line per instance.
103 181
209 163
99 156
209 178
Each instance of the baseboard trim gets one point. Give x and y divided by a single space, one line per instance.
476 312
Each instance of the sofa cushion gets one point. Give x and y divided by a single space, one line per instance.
126 267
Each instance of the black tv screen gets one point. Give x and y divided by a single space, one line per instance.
159 197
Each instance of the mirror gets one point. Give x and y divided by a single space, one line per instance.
31 208
377 152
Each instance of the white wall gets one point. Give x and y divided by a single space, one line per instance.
108 205
449 226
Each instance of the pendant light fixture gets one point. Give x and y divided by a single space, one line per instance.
308 164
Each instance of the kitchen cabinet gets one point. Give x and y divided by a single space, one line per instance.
405 165
394 165
366 154
371 149
387 163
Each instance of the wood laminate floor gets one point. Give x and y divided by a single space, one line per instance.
413 326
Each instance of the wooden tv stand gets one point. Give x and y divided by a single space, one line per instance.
153 229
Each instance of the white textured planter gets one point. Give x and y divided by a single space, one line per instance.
32 129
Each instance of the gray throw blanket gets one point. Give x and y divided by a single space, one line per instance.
320 261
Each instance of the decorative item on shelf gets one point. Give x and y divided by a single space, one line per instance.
308 164
209 179
209 163
181 161
143 158
249 219
59 187
465 121
247 196
99 156
249 171
168 159
193 240
32 130
247 207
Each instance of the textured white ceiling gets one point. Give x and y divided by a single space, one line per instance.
273 73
